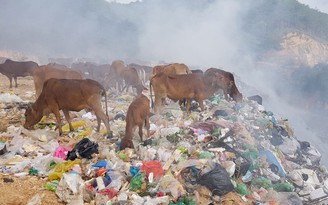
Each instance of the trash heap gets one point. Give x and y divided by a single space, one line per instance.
228 154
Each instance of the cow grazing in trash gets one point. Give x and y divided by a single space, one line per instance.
131 78
45 72
224 80
13 69
179 87
68 95
115 73
137 115
172 69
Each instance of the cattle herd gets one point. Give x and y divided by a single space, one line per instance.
82 86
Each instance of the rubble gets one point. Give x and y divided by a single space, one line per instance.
231 152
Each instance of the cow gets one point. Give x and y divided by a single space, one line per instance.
172 69
197 71
131 78
256 98
93 71
144 71
116 69
67 95
13 69
137 115
179 87
224 80
45 72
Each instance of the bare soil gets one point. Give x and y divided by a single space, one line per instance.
20 190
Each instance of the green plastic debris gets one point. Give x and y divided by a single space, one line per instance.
33 171
52 186
184 201
122 156
262 182
52 165
137 181
283 187
206 155
242 189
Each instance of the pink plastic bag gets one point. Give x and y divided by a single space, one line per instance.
61 152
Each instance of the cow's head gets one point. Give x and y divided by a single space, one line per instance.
126 142
234 93
31 117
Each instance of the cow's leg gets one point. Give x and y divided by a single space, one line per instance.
147 125
201 104
158 104
140 131
96 107
98 123
68 119
59 124
188 105
11 81
15 79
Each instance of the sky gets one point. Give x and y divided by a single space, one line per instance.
320 5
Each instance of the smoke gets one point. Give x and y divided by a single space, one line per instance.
202 33
195 32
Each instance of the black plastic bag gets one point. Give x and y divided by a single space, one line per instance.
217 180
83 149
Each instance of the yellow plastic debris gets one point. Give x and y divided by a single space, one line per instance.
62 168
75 124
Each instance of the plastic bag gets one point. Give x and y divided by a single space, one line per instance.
217 180
83 149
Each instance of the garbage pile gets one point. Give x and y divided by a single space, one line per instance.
229 154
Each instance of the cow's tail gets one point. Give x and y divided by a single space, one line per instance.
105 95
151 95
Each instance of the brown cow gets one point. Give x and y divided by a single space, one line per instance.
224 80
131 78
93 71
43 73
172 69
67 95
116 69
144 71
14 69
137 115
178 87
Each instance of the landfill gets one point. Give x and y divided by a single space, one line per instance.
231 153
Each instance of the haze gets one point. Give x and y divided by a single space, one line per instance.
198 33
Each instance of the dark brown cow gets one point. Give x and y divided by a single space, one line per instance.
197 71
145 72
178 87
93 71
224 80
131 78
137 115
43 73
14 69
68 95
116 69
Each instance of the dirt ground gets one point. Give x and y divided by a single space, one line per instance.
20 190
